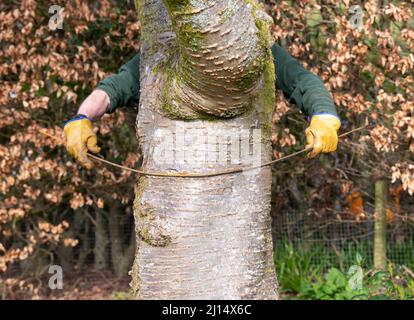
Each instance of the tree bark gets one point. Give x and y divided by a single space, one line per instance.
207 90
122 248
101 249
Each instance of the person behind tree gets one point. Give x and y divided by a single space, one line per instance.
305 89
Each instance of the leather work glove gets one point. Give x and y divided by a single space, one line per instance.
322 134
80 139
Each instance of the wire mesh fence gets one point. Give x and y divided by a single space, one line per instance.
330 241
99 264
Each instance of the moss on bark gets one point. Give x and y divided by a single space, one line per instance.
148 223
266 96
260 69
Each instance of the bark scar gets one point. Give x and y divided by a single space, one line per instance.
148 222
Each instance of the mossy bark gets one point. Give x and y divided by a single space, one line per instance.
206 67
223 52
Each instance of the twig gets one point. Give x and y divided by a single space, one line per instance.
410 273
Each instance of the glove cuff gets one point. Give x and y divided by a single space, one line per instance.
327 113
77 117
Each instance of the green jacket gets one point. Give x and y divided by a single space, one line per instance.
299 86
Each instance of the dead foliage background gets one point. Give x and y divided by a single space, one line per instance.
53 212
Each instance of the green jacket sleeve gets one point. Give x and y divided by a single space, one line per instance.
300 86
123 88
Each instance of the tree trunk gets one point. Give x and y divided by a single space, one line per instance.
207 95
101 248
122 248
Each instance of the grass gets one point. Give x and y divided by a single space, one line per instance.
303 266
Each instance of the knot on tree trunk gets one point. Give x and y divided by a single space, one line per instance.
222 53
149 224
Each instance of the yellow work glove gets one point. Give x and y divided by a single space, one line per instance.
80 139
322 134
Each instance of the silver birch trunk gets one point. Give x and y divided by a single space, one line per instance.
207 90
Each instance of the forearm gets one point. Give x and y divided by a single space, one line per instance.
300 86
123 88
312 97
95 105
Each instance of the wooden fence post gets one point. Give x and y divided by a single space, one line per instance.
380 237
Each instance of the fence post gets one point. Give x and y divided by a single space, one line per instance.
380 237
